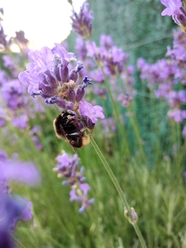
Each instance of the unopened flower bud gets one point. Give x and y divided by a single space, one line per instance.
74 73
71 96
79 66
73 76
132 216
80 94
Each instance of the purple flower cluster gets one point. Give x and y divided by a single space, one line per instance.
16 107
14 208
67 168
19 38
51 76
109 126
108 56
178 56
3 41
167 77
175 9
109 61
82 22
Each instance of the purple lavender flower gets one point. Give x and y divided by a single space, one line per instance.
8 62
14 208
2 36
49 76
20 121
6 239
177 115
84 49
81 48
178 55
67 168
92 112
15 170
176 98
80 196
110 59
25 212
114 61
20 36
171 6
175 9
98 53
1 11
106 41
2 122
18 108
167 75
13 96
97 76
162 71
3 77
109 126
125 99
12 93
82 22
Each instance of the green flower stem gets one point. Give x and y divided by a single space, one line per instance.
109 171
118 188
138 232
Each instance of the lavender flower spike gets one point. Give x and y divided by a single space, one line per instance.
2 34
81 196
15 170
82 22
14 208
48 75
175 9
67 168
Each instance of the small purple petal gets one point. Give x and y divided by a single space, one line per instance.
93 112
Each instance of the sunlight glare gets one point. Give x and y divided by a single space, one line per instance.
44 22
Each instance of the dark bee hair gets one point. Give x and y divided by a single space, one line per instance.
71 128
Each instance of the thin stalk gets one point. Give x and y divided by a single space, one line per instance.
118 188
109 171
138 232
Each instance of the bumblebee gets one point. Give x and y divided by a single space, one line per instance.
72 129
